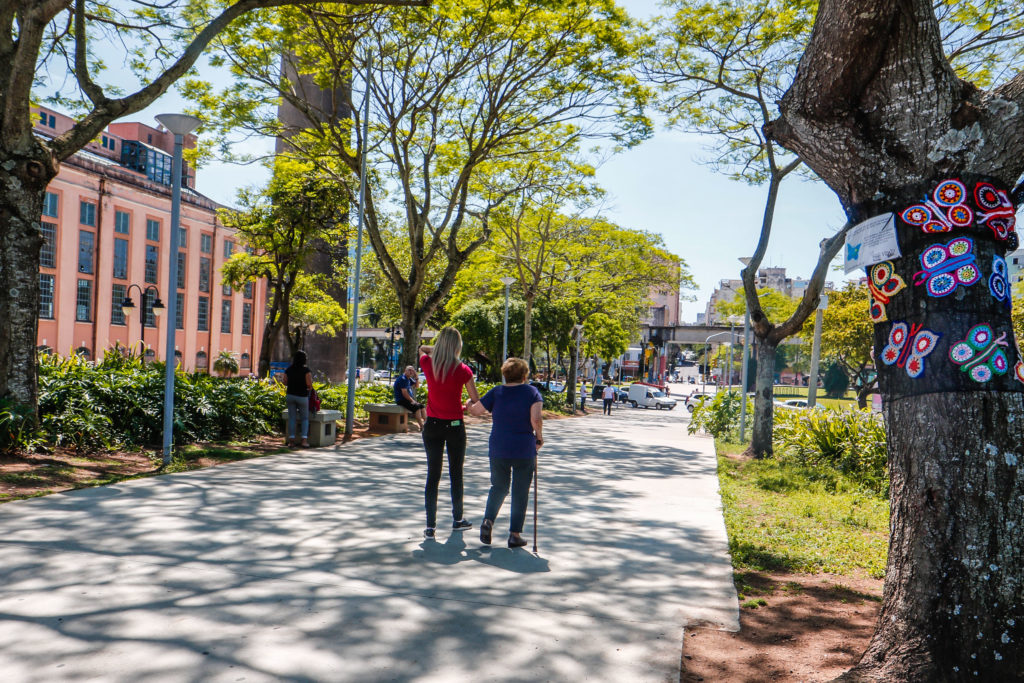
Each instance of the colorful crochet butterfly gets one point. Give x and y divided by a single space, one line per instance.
997 283
979 354
907 348
884 283
947 265
944 211
996 210
1018 370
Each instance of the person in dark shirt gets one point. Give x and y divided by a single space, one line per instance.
516 436
405 387
299 380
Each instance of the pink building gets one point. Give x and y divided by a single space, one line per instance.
106 225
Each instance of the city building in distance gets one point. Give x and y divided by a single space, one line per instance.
106 228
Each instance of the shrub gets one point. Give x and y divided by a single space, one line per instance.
17 428
720 416
851 442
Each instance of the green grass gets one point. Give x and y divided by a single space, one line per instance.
792 518
782 392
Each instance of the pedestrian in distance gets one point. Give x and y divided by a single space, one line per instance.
609 398
583 397
516 436
445 427
298 381
405 388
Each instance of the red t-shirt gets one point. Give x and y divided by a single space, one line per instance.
444 398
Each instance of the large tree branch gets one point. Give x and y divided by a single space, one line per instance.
108 110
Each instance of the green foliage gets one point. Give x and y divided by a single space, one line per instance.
226 364
119 401
848 442
786 516
719 416
17 428
836 382
555 401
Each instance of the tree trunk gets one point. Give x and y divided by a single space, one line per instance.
764 405
527 328
953 595
412 332
866 389
24 180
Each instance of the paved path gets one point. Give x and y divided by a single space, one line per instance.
312 567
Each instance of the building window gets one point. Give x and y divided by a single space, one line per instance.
87 213
246 318
179 311
148 317
204 274
86 242
117 294
206 243
150 355
229 248
120 258
225 289
203 314
202 362
181 270
50 204
84 352
152 262
48 252
46 296
152 230
83 301
47 120
183 238
248 290
122 222
245 363
225 316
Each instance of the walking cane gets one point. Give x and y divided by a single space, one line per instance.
535 506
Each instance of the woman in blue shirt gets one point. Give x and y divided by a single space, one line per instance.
516 436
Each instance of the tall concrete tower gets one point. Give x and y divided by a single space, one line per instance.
327 354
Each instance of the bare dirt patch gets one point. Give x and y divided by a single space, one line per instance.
793 628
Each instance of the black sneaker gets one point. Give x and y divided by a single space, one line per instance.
485 531
428 532
462 524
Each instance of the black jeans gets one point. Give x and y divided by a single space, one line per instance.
608 405
437 434
518 472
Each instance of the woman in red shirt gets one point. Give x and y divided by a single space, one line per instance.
446 376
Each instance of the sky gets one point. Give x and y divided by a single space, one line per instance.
659 186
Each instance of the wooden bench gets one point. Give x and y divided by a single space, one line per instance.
388 418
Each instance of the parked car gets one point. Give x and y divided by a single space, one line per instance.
694 399
643 396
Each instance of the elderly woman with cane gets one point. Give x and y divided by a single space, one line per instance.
516 436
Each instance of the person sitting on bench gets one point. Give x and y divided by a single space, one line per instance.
405 385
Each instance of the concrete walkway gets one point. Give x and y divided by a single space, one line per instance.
312 567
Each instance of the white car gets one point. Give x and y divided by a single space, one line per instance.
642 395
695 398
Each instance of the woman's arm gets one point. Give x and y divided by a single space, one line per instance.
309 380
537 420
474 395
476 408
426 350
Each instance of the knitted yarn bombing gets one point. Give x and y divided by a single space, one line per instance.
980 354
997 281
995 210
883 284
945 266
945 210
908 347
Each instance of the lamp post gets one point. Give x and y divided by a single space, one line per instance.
812 385
350 407
578 329
746 359
707 365
507 281
128 306
391 350
179 125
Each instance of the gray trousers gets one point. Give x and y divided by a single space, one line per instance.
298 406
